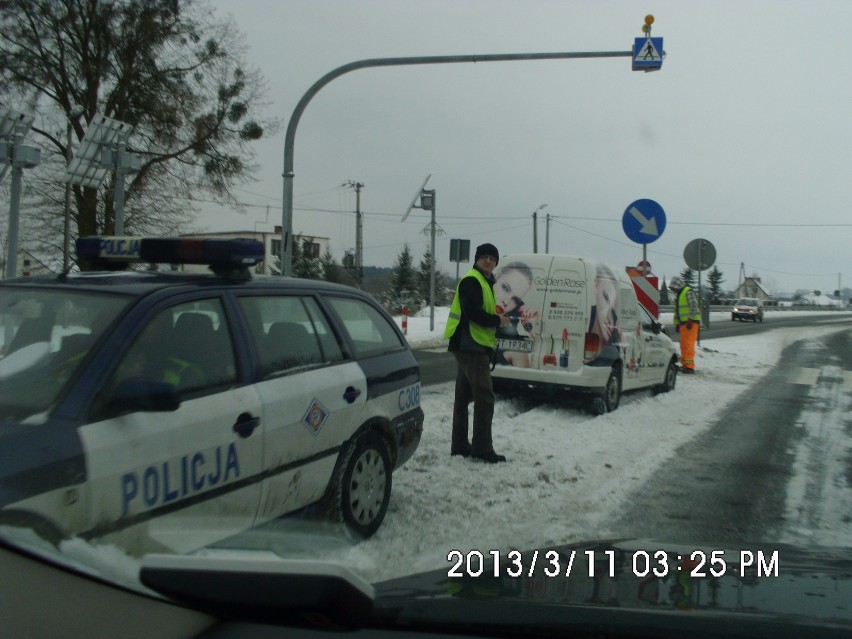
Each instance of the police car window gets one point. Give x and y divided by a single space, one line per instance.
45 336
289 332
188 346
369 331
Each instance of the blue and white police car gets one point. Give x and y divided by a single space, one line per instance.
165 411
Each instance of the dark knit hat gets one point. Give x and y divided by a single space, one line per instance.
487 249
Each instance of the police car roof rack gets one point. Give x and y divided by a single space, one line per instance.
228 258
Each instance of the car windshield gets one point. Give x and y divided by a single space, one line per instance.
541 310
45 338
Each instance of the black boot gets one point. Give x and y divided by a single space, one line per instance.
489 458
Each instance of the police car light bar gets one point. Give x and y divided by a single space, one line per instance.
234 253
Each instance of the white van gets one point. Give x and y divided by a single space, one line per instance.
576 326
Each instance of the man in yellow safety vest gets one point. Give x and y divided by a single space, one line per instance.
687 320
471 329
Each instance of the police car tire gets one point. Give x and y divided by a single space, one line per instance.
363 485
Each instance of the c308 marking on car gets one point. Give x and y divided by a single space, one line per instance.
169 481
409 397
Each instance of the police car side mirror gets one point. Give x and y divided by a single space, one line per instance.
141 394
656 327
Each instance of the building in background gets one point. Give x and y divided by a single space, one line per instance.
751 287
314 247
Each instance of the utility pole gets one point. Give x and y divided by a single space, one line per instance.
547 233
535 231
359 227
535 227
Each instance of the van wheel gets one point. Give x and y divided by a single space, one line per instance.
668 381
362 486
607 399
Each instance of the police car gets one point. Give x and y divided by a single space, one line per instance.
162 410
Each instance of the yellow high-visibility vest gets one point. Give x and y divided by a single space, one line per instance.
480 334
683 308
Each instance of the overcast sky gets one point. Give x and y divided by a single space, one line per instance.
744 137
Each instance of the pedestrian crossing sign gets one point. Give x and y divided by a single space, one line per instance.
647 54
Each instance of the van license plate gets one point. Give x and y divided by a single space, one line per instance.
517 345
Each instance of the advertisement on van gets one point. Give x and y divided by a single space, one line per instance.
561 317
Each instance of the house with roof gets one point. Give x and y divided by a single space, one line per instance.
751 287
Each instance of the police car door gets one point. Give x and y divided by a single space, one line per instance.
312 397
180 478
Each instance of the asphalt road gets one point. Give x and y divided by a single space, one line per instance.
438 366
742 466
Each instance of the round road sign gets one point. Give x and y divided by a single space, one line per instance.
699 254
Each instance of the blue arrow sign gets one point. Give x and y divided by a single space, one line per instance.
647 53
644 221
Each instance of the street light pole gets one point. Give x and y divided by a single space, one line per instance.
290 135
75 112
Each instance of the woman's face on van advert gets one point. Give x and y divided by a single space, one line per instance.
606 293
511 286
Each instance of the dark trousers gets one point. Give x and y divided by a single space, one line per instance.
473 384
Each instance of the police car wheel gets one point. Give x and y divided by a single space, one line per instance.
363 487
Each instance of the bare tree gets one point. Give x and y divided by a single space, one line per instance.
166 67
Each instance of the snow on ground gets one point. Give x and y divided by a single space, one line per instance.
568 472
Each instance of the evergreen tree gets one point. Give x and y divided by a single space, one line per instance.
688 277
424 277
303 266
664 293
403 291
331 272
714 285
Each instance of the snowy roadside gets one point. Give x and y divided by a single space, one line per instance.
568 474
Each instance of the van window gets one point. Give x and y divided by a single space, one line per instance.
369 332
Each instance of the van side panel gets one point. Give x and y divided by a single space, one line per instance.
519 291
565 298
565 316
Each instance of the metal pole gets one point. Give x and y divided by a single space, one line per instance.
359 239
14 221
432 271
290 136
66 250
535 231
119 190
547 233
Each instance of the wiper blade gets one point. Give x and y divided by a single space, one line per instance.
264 589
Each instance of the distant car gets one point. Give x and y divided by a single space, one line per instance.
168 410
750 308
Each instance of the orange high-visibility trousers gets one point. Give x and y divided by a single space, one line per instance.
688 337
